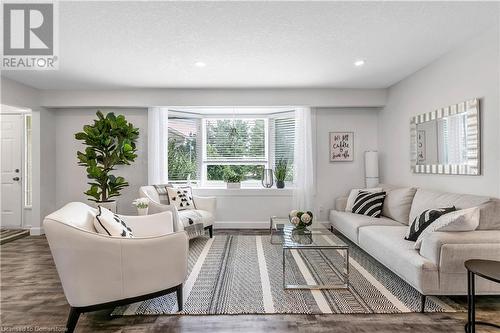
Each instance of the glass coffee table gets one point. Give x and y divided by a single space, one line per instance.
316 238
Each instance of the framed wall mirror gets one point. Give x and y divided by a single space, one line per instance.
447 140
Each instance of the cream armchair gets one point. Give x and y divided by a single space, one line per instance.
204 205
98 271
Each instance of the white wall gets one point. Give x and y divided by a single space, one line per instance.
71 180
335 179
472 70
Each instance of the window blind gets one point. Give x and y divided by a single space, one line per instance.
235 139
284 139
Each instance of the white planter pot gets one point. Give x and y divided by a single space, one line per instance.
233 185
111 205
142 211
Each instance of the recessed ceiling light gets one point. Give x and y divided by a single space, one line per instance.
200 64
359 63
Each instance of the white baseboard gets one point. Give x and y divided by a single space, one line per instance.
241 225
36 231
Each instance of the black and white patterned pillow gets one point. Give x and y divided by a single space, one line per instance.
181 197
108 223
369 203
423 220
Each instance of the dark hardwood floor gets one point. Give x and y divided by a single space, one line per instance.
32 300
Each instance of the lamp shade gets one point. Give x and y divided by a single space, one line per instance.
371 168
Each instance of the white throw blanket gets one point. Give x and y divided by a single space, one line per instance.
192 222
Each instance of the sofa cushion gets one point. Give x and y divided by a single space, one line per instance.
349 223
489 215
425 199
397 203
387 245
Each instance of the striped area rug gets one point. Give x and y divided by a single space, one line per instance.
243 275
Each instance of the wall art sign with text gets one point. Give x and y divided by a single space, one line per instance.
341 146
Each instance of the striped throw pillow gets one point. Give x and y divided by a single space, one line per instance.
423 220
369 203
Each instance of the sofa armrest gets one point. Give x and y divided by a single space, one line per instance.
205 203
449 250
150 225
341 204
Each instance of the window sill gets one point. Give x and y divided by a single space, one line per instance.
243 192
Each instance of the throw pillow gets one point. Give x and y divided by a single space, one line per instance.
181 197
423 220
108 223
354 194
369 203
459 220
163 193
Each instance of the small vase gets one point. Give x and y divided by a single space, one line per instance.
142 211
267 178
280 184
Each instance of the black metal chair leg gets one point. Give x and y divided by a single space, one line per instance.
73 316
179 297
422 303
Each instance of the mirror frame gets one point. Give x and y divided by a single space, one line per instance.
473 167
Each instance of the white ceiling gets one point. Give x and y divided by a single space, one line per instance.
254 44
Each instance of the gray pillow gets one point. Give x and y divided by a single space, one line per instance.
397 203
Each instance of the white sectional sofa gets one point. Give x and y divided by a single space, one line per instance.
438 267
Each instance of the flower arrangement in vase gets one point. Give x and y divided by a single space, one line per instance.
301 220
142 205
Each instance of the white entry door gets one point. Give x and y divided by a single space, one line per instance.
11 163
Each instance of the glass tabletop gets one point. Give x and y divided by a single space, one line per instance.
315 236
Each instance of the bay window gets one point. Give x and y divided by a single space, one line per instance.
202 147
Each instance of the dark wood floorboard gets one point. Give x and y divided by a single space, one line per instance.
32 299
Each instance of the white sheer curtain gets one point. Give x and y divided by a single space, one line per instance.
157 145
304 191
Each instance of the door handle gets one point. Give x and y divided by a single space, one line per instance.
16 179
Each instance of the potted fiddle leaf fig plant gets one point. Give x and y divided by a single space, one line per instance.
111 141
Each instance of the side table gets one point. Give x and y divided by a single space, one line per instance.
487 269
